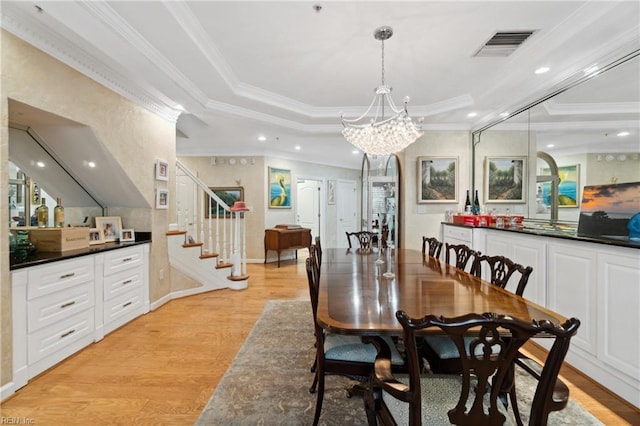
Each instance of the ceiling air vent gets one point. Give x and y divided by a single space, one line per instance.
503 43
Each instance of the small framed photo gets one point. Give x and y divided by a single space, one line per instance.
331 192
110 226
505 179
96 236
162 199
127 235
437 180
162 170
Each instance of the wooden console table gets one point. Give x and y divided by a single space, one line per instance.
285 237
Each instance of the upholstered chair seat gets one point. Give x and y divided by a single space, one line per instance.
342 347
440 392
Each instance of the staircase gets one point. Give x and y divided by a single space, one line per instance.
209 248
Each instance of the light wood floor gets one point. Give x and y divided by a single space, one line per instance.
162 367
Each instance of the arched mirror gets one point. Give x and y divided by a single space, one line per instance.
380 207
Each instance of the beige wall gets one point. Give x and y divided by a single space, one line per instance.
253 177
134 136
424 219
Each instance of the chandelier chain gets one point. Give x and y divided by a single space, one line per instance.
383 62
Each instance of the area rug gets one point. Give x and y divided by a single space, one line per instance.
268 381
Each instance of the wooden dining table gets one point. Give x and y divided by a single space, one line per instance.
361 290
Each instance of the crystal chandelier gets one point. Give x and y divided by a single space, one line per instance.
382 136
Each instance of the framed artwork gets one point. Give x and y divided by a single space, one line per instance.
437 180
127 235
504 179
229 195
279 189
568 186
162 199
96 236
162 170
606 210
331 192
110 226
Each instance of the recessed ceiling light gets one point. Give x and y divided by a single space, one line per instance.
91 164
355 151
550 145
542 70
504 114
298 147
623 134
472 114
40 164
262 138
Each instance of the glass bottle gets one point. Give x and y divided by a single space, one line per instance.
467 204
476 204
58 214
42 213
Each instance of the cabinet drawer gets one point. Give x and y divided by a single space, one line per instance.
58 306
122 282
122 259
59 276
458 233
48 340
122 305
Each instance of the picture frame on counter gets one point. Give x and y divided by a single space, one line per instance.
127 235
162 170
437 180
96 236
110 226
505 179
162 199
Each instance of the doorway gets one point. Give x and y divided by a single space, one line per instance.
308 206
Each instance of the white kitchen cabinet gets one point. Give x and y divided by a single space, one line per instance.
123 290
521 249
597 283
62 306
53 313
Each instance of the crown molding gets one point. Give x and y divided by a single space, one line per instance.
40 35
555 108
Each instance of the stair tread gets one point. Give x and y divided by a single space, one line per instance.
208 255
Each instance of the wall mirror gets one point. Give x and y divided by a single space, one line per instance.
590 129
380 197
36 173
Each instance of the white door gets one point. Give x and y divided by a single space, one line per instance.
308 205
347 202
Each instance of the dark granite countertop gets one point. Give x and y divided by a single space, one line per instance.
560 232
40 258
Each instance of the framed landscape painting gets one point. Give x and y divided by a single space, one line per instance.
437 179
229 195
505 179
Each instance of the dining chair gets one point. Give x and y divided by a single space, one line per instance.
472 397
463 255
440 351
435 246
364 238
338 354
501 269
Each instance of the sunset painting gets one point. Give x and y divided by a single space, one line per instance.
606 209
